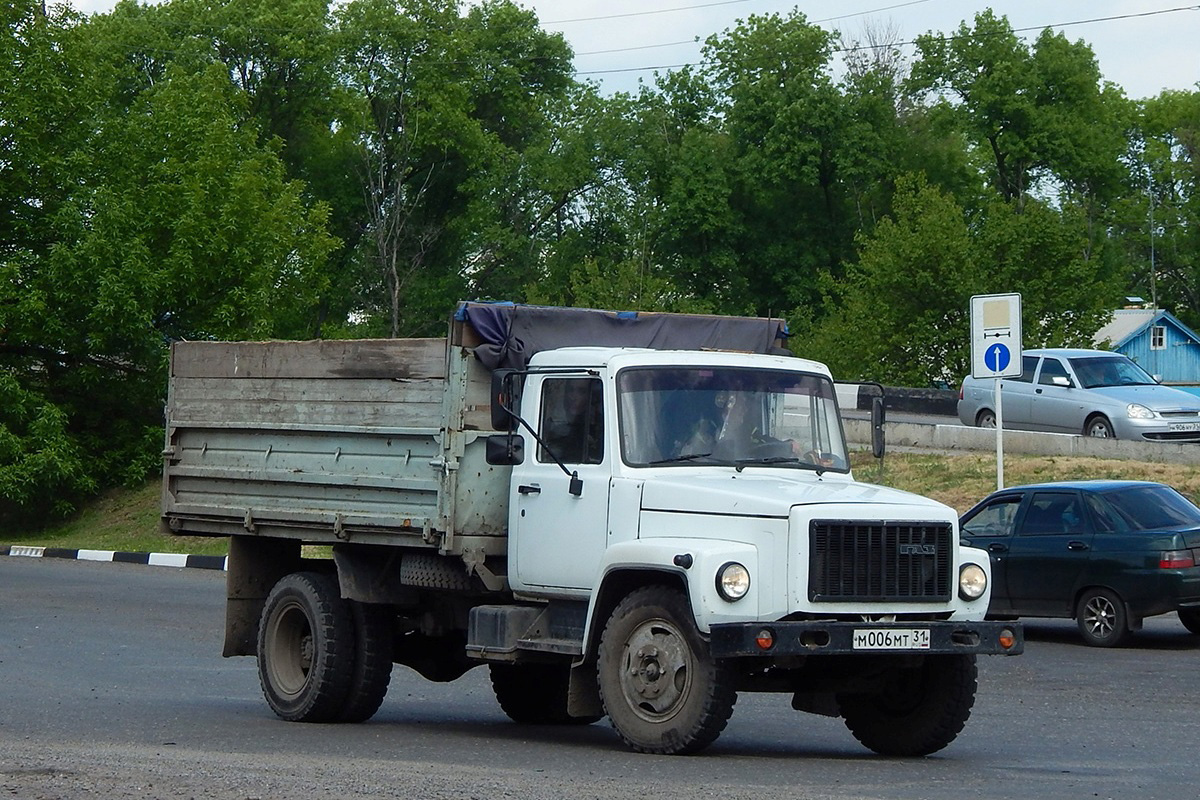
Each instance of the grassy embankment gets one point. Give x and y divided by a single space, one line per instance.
127 520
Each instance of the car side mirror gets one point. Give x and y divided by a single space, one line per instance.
1061 380
505 450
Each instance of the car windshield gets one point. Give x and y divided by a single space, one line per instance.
1146 508
729 415
1096 371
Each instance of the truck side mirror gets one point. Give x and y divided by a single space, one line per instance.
506 450
878 417
505 391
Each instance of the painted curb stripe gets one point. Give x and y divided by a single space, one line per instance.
179 560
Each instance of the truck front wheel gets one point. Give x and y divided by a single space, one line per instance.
535 694
918 711
660 687
306 648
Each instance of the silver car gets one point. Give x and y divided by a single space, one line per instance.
1092 392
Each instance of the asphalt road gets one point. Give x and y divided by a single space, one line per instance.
112 685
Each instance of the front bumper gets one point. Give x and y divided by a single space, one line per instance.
814 638
1155 430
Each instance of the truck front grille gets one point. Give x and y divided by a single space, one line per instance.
880 561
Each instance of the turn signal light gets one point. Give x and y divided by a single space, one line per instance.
765 639
1176 559
1007 639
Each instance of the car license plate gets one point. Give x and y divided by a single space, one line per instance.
891 639
1183 426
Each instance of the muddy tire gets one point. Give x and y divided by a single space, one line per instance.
660 687
306 648
918 712
372 669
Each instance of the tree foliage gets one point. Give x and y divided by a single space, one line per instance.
296 168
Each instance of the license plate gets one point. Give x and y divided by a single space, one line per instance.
891 639
1183 426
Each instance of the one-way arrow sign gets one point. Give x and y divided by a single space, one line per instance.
996 335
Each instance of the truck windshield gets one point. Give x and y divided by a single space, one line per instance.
727 415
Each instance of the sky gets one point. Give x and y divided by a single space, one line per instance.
1144 46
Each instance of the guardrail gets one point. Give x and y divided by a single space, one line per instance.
951 437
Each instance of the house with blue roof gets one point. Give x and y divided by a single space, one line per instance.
1156 340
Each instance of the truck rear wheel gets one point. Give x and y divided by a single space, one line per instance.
919 711
372 662
660 687
535 694
306 648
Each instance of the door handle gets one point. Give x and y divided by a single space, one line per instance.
1077 546
528 489
997 547
1037 391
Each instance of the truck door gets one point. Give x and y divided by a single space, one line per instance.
558 538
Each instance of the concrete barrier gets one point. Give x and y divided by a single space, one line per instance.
941 402
957 437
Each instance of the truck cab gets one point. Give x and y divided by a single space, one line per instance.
715 459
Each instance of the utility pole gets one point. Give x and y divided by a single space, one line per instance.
1153 278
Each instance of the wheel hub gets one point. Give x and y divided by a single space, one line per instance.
1100 617
657 672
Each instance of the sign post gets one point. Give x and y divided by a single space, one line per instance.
996 352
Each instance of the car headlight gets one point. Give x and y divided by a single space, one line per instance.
972 582
733 581
1138 411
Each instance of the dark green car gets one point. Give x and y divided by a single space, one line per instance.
1106 553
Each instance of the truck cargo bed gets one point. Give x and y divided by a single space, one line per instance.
329 441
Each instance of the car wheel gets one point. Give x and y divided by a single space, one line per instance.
1190 617
1099 428
985 419
1102 618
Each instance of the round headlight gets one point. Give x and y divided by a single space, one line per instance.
972 582
733 581
1138 411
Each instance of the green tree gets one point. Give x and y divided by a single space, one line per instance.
446 110
1038 117
151 211
903 308
1164 197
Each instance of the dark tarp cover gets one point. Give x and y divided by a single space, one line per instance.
513 333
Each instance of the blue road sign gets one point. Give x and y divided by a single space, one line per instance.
997 357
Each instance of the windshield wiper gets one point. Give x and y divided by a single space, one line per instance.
676 459
742 463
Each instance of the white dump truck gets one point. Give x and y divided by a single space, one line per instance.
627 515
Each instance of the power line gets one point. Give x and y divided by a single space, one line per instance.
720 3
872 11
857 48
643 13
697 38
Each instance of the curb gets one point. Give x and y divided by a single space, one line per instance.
152 559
